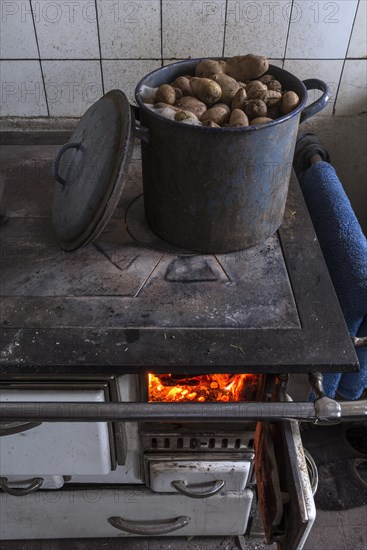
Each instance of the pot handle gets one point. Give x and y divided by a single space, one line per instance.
141 132
319 104
55 165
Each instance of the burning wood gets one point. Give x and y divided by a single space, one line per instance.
207 387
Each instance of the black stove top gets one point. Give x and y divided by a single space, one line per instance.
132 302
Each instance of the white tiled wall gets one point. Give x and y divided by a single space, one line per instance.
71 87
57 56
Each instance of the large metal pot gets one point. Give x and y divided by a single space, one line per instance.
219 190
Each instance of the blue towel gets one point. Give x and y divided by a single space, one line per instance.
345 251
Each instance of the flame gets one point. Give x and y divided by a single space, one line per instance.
206 387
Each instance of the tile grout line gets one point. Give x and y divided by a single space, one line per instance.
288 33
225 28
82 58
342 528
99 46
39 58
345 58
161 21
168 58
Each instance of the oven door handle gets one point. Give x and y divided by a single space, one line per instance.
182 487
152 527
34 485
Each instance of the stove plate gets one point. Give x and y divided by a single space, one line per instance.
133 302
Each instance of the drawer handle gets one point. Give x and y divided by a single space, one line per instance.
183 488
11 428
34 485
153 527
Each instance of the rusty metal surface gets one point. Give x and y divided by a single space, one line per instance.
122 305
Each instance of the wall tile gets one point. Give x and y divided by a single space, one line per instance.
327 70
358 43
276 62
192 28
130 29
126 74
22 91
320 30
352 96
257 27
66 30
17 36
170 61
72 86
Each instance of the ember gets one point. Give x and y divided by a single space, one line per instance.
206 387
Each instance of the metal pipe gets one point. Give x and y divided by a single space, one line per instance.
352 410
186 412
132 412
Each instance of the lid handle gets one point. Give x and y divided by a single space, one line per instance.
55 165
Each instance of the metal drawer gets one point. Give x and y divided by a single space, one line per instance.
198 476
85 512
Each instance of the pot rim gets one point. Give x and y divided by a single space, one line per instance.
191 127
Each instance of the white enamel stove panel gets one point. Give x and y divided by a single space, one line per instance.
56 448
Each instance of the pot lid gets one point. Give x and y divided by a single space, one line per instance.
92 173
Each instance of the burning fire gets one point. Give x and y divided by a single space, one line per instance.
206 387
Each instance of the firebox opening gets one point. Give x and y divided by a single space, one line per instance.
203 388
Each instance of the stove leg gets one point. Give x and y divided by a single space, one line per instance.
241 542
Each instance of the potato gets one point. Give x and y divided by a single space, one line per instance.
274 85
255 108
269 97
219 114
239 100
290 101
164 105
183 84
228 85
208 67
246 67
211 124
260 120
254 87
179 93
184 115
190 103
266 78
238 119
274 111
166 94
206 90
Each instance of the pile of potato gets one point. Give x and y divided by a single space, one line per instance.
223 94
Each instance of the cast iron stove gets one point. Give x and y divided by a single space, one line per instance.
131 303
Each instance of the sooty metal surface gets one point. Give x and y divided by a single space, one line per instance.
131 302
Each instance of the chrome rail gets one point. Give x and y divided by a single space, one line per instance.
322 410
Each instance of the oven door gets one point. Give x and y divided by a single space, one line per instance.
284 490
